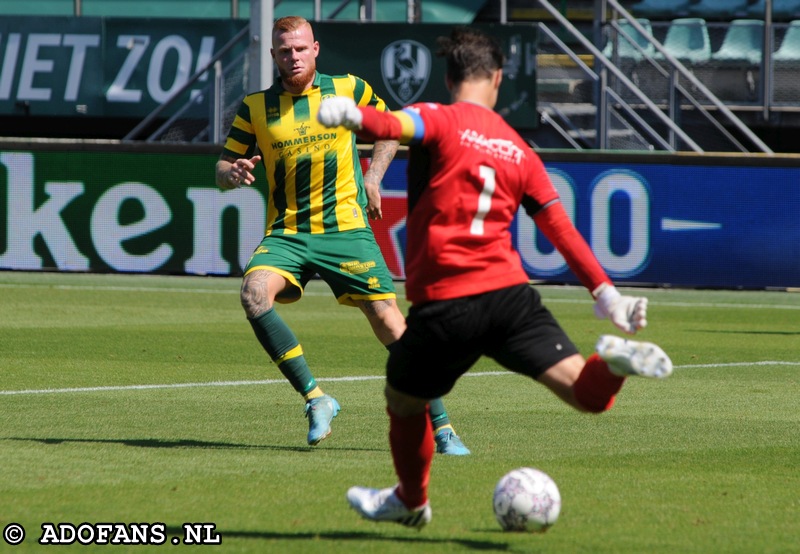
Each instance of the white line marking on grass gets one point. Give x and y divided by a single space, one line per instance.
141 289
734 364
322 380
145 387
307 292
683 304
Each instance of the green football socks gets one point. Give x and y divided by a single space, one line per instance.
439 417
284 349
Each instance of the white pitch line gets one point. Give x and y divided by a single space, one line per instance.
143 289
653 299
735 364
676 304
322 380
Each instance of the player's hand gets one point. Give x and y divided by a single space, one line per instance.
240 171
373 200
629 313
339 111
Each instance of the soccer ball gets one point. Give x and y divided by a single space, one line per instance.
526 499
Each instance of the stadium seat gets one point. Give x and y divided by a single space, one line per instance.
661 9
743 43
786 67
625 49
687 40
789 50
781 9
719 9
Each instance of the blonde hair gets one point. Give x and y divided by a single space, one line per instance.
289 23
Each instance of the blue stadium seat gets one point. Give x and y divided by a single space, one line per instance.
719 9
625 49
687 40
661 9
789 50
743 43
786 67
781 9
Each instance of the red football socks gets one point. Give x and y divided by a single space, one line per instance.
596 386
412 444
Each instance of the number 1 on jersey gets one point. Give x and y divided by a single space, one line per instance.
487 174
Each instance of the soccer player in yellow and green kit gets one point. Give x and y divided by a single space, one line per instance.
318 205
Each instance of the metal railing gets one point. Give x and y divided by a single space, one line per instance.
649 122
212 91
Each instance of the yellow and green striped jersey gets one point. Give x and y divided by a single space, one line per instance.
314 174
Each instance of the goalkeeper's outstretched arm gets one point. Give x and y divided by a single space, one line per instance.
628 313
370 124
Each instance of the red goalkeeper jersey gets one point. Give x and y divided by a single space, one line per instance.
468 174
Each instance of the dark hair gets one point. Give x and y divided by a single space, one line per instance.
469 54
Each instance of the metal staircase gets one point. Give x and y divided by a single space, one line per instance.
592 101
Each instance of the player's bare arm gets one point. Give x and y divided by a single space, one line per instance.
232 173
382 154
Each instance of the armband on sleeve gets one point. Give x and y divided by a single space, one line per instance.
405 126
377 125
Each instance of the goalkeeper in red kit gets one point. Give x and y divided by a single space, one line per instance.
468 174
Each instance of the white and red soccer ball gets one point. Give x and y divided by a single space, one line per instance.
526 499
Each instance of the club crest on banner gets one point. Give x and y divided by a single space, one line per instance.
405 67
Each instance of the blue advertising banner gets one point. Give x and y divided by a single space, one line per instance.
653 223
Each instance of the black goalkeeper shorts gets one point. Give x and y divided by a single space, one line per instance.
445 338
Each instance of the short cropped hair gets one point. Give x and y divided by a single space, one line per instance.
289 23
470 54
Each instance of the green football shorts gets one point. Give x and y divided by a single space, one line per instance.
349 261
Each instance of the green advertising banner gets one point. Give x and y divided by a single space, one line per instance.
117 67
101 67
400 62
122 211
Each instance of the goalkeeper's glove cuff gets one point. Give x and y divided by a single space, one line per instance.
605 296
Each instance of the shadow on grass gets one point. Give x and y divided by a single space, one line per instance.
187 443
420 539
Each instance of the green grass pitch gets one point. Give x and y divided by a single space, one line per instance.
148 399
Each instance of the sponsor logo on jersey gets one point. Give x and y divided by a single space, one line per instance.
498 148
302 129
298 141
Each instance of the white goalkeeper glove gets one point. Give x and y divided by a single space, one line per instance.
629 313
339 111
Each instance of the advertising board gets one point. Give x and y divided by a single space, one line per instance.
653 220
126 67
